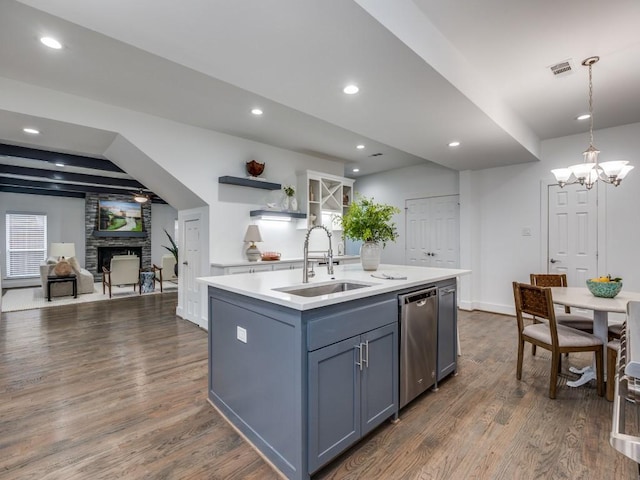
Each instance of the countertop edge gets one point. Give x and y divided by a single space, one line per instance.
260 285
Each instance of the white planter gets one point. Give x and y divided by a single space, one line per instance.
370 256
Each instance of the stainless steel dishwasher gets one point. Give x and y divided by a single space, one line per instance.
418 342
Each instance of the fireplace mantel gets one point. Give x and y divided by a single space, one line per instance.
115 233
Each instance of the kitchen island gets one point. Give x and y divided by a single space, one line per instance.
305 377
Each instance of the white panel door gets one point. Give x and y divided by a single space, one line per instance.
432 232
573 232
417 233
444 232
191 270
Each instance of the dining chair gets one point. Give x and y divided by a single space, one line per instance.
558 339
579 322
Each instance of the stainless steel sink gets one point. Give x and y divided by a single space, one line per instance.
323 288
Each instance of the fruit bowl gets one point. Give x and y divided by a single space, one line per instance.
604 289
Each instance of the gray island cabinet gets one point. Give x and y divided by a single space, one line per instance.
305 378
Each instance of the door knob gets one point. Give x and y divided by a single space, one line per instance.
185 263
554 261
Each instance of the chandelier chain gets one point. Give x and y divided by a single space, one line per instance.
590 105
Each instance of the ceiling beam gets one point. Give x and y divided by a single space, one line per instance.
31 191
69 176
35 187
55 157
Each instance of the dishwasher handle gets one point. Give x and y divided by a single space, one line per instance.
419 298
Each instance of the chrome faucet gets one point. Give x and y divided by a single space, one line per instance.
305 269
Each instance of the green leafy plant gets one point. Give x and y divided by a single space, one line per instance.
173 248
369 221
289 190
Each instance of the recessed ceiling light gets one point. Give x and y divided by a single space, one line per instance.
360 147
454 144
256 111
355 170
351 89
32 131
51 42
584 116
59 164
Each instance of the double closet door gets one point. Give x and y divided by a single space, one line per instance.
433 232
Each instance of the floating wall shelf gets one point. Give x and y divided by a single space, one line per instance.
248 182
276 214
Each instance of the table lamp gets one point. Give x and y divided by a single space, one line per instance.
62 250
253 235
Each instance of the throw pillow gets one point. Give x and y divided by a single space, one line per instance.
73 261
63 268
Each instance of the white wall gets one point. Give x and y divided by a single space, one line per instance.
194 156
508 198
162 217
396 186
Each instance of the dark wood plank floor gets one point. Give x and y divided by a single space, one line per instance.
118 390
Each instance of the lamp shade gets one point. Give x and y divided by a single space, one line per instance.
66 250
253 234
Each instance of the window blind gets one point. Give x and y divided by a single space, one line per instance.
26 244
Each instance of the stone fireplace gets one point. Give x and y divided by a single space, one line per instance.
101 246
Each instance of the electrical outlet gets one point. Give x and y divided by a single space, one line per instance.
526 231
241 334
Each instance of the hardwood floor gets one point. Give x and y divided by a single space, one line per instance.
118 390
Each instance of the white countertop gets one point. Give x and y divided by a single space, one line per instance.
242 263
260 285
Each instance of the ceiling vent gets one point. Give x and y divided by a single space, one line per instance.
562 69
375 155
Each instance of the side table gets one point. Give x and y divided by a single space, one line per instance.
146 281
56 279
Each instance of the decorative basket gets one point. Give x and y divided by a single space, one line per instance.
604 289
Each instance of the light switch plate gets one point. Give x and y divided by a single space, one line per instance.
241 334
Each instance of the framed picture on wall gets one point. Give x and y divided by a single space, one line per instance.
117 216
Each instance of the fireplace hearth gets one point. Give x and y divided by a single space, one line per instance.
105 254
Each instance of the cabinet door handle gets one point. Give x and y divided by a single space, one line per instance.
366 353
359 347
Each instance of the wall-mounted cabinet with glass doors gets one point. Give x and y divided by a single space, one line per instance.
324 198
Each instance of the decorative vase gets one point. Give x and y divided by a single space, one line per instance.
289 204
370 256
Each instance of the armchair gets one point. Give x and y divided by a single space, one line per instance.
168 267
124 270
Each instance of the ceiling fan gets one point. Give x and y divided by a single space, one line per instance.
141 197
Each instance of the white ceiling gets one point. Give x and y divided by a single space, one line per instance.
429 72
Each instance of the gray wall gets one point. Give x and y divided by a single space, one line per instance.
66 223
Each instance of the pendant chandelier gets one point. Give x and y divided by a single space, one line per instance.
590 171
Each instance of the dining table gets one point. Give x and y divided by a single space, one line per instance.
581 297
